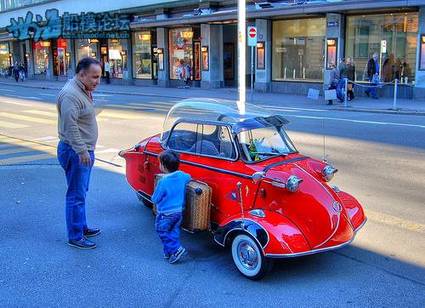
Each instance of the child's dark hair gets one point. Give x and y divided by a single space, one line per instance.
170 160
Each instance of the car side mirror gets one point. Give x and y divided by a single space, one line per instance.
257 176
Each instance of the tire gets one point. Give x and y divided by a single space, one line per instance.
143 201
248 257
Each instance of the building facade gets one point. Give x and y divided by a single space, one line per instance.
147 42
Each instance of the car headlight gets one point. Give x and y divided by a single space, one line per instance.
328 173
293 183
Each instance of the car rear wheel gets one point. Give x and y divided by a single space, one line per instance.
248 257
143 201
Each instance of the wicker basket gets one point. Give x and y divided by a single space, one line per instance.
196 216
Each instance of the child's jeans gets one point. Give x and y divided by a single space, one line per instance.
168 228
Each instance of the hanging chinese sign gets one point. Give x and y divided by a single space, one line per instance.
70 26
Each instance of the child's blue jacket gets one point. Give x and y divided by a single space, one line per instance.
169 194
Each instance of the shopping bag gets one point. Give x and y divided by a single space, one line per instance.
330 94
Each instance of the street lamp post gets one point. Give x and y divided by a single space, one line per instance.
241 55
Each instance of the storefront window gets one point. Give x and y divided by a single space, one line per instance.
86 48
118 55
181 49
61 57
4 58
142 55
392 36
298 49
41 51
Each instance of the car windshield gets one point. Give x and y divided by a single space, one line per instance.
266 142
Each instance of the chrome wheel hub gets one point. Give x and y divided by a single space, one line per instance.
248 256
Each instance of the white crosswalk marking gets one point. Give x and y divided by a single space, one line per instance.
7 124
15 116
44 113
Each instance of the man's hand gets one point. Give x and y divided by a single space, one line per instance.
84 158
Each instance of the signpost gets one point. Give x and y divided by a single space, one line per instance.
241 54
252 42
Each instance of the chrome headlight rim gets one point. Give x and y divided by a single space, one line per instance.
293 183
328 172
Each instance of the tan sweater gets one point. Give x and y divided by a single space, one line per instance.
77 124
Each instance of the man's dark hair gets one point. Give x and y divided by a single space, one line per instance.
84 64
170 160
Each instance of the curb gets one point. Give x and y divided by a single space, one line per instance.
349 109
384 111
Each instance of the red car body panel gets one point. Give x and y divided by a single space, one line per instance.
312 219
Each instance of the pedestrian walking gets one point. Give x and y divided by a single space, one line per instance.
187 74
333 80
15 71
78 134
342 72
351 75
169 197
373 75
108 72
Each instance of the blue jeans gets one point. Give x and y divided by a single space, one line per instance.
168 228
77 178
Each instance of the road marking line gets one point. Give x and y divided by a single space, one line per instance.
118 115
292 108
26 118
47 94
17 149
395 221
7 90
6 124
111 150
152 104
15 103
45 113
45 138
24 159
357 121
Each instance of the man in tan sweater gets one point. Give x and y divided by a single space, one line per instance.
77 128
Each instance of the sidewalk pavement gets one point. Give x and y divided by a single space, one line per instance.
359 104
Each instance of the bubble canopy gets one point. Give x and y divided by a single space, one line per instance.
220 112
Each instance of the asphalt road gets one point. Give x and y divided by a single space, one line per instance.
380 160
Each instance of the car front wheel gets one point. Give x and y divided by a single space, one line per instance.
249 258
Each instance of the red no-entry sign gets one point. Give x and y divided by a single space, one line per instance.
252 36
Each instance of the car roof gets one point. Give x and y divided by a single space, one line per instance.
220 111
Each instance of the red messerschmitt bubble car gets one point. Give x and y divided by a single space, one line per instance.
268 200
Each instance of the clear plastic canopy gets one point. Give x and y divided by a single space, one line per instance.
204 109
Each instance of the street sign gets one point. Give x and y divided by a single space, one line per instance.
252 36
383 46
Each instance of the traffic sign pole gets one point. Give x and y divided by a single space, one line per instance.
252 42
242 55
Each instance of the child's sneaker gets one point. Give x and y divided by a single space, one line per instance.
177 255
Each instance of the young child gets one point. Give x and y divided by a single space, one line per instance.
169 197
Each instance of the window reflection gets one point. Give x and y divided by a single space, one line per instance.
365 34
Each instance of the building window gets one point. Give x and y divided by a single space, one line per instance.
181 49
61 57
298 49
86 48
118 55
392 36
4 58
41 51
142 55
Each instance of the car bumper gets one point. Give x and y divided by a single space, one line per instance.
314 251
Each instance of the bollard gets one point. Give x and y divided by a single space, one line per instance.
345 91
395 94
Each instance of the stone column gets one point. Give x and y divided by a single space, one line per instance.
263 76
162 42
212 37
419 89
